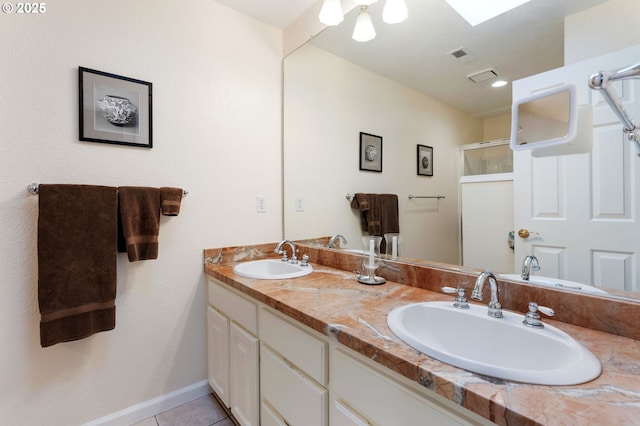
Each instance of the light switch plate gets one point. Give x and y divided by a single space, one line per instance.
261 204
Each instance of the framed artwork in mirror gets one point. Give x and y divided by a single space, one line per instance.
425 160
114 109
370 152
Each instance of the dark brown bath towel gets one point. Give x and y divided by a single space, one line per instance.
170 199
139 215
77 232
378 214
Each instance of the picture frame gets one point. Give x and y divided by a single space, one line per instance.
370 152
114 109
425 160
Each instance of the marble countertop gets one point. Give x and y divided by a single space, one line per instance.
332 302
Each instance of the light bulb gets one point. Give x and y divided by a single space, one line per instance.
364 30
395 11
331 12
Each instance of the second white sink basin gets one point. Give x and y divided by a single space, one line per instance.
555 283
498 347
271 269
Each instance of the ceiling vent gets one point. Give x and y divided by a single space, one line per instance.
463 55
484 75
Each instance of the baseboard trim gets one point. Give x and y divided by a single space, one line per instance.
149 408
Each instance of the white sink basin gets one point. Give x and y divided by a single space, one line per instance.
271 269
498 347
554 283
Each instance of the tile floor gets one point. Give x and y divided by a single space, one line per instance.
205 411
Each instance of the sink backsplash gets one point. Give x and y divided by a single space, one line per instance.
617 317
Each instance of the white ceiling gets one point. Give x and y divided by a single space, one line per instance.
525 41
279 13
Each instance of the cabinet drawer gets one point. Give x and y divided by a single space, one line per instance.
234 306
300 401
344 416
268 416
306 352
381 400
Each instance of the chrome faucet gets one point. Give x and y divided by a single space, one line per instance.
529 264
333 239
279 250
495 309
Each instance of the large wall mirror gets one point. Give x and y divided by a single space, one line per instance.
406 87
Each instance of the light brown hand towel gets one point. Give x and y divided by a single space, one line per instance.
139 215
77 232
170 199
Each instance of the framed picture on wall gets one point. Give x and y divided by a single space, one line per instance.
425 160
114 109
370 152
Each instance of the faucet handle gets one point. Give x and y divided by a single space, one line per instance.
461 300
305 260
284 255
532 318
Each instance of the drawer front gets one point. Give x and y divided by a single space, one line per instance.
305 351
234 306
300 401
345 416
381 400
268 416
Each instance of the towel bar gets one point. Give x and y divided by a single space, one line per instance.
33 189
411 197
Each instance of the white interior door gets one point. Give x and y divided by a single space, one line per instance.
581 210
487 219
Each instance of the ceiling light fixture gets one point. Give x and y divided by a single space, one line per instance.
475 13
499 83
394 12
364 31
331 12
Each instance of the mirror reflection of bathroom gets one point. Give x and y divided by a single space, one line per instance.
543 118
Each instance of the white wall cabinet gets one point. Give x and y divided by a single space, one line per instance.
306 379
233 352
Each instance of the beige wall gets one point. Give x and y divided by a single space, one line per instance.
497 127
328 102
602 29
216 111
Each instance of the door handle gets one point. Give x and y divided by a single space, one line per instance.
525 233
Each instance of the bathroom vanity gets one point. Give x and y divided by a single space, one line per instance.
321 351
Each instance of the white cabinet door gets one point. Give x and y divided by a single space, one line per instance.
243 370
218 353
